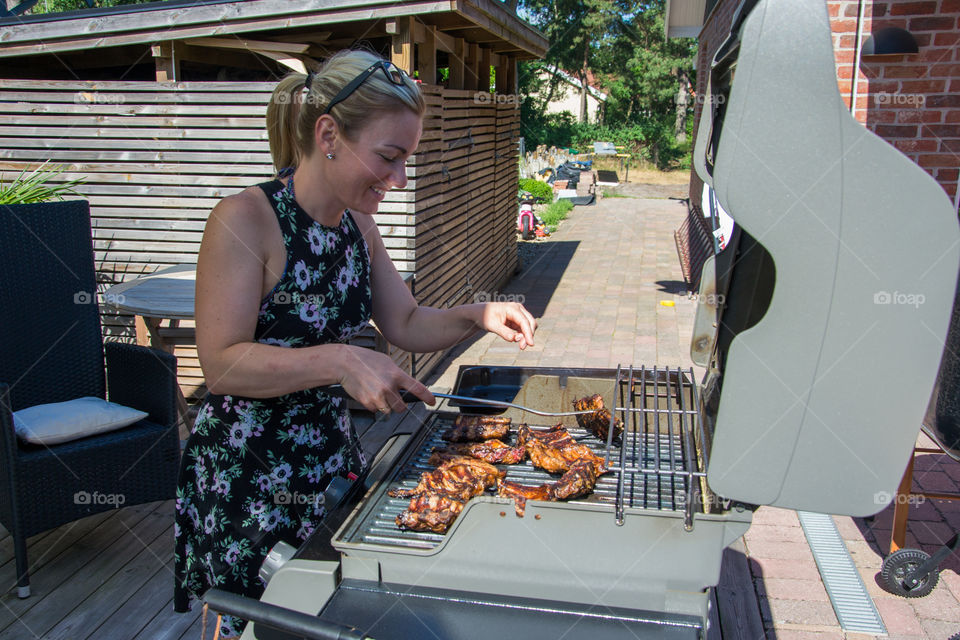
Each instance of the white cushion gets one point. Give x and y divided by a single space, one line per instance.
64 421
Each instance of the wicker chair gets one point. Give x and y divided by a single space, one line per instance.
51 350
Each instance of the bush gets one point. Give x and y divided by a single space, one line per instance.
541 191
555 212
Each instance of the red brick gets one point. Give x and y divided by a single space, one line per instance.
918 115
789 589
882 116
943 130
946 39
923 86
846 42
802 612
899 617
942 101
913 8
845 55
905 71
914 146
843 26
948 175
938 23
945 71
888 22
844 72
776 568
950 6
936 160
934 54
896 131
833 9
951 115
876 9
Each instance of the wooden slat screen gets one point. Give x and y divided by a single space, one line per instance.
156 157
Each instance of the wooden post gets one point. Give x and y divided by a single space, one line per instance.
503 76
901 509
471 61
427 56
512 75
483 72
402 49
456 65
166 56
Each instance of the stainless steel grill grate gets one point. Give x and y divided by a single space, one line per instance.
653 466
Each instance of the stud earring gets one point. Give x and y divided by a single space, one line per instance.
330 156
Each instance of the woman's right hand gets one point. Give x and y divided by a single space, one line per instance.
375 381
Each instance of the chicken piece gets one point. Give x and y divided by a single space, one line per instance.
473 428
521 493
555 450
459 480
598 422
492 451
429 512
578 481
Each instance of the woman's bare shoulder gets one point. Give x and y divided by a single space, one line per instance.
250 206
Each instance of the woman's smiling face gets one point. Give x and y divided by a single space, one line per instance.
375 162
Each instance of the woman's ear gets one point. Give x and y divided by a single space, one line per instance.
325 134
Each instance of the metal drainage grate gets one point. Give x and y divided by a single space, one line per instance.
848 595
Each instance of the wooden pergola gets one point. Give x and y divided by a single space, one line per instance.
464 36
159 109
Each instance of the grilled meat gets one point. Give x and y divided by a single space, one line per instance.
473 428
598 422
578 481
521 493
458 480
555 450
429 512
492 451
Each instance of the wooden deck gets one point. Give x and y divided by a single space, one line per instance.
109 576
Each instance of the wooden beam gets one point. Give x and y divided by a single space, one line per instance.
427 57
503 76
444 42
512 75
166 57
294 63
472 62
456 65
402 48
483 72
240 43
239 58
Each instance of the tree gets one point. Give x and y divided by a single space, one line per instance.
56 6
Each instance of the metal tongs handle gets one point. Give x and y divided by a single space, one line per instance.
406 396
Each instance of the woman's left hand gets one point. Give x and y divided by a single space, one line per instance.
511 321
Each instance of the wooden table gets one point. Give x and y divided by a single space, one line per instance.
164 295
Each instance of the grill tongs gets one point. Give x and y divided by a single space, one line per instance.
338 391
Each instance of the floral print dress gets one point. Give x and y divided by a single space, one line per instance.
254 470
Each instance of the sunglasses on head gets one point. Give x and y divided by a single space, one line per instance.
395 75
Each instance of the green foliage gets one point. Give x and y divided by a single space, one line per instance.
541 191
56 6
32 187
621 43
555 212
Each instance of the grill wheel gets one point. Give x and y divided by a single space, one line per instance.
898 564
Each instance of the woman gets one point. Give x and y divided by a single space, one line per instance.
288 271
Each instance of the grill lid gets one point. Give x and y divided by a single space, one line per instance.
838 283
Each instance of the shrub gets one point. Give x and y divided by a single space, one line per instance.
555 212
541 191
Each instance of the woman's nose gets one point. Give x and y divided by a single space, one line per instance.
399 177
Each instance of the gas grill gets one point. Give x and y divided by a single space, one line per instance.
818 372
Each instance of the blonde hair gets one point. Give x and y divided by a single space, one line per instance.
292 113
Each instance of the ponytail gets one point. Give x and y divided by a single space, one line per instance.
282 115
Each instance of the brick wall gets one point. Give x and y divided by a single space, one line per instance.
911 101
714 32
